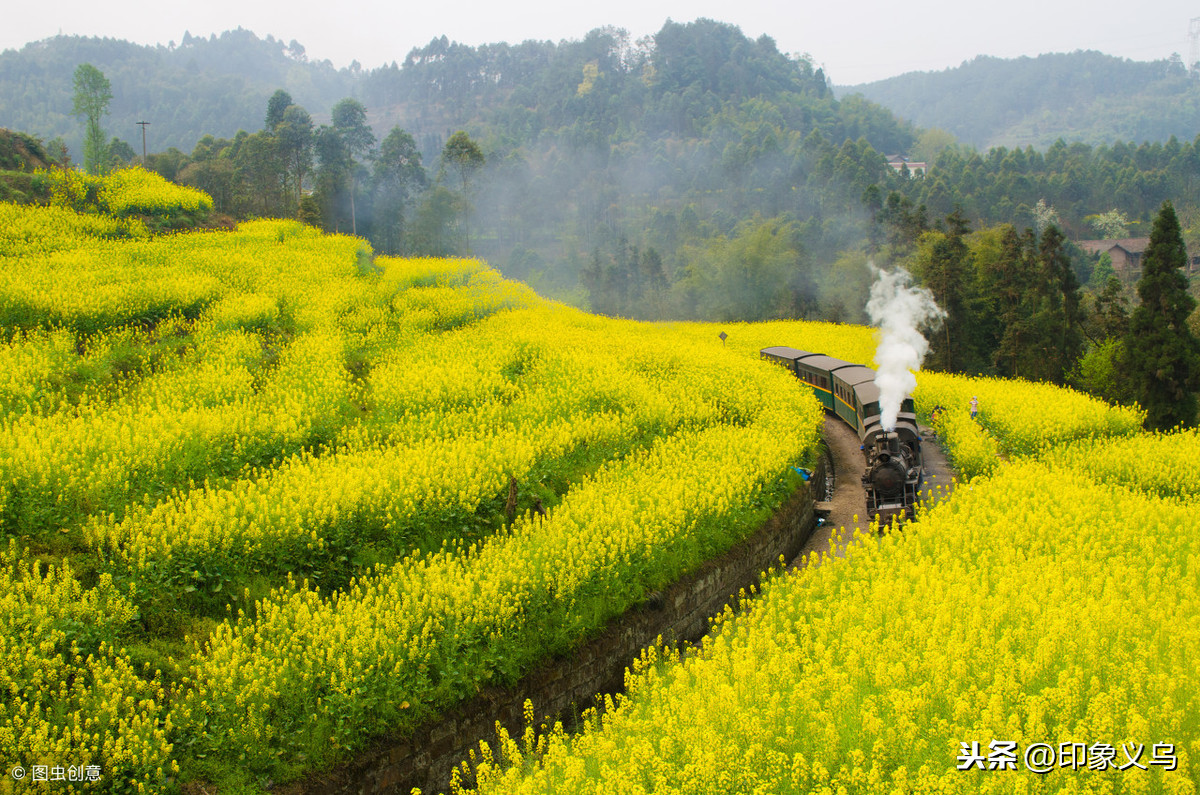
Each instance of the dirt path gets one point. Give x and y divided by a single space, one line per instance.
847 503
939 475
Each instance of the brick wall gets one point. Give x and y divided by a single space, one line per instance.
564 687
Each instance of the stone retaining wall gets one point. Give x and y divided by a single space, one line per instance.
564 687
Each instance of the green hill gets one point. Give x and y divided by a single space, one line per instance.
216 85
1016 102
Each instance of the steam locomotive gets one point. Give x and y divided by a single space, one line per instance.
894 474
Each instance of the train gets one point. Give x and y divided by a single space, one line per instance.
895 472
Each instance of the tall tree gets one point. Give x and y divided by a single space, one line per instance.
1110 317
279 102
398 176
1056 319
333 174
464 157
350 121
1162 354
1009 282
294 134
262 174
946 268
92 95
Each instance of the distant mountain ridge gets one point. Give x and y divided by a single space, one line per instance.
694 81
1016 102
214 85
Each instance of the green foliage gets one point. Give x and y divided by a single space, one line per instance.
350 119
1013 304
277 105
1113 224
464 157
432 231
398 178
1084 96
92 95
674 142
700 120
1163 353
757 273
931 143
1075 181
626 282
1057 309
1101 372
1110 315
118 154
844 288
944 263
202 85
21 152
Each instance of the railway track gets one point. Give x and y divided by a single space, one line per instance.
845 502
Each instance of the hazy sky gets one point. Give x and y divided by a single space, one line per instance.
854 41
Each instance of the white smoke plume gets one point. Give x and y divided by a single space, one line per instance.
899 309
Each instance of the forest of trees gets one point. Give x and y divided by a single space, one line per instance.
186 90
693 174
1018 102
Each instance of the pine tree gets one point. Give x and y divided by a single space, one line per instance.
1056 319
947 274
1162 354
1011 285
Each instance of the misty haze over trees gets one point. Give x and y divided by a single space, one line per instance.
693 174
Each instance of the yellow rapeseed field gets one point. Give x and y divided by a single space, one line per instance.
189 418
365 486
124 192
1037 612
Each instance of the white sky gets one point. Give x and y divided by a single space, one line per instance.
854 41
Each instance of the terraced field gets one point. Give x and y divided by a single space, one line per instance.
267 496
1035 633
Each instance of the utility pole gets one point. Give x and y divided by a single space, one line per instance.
143 124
